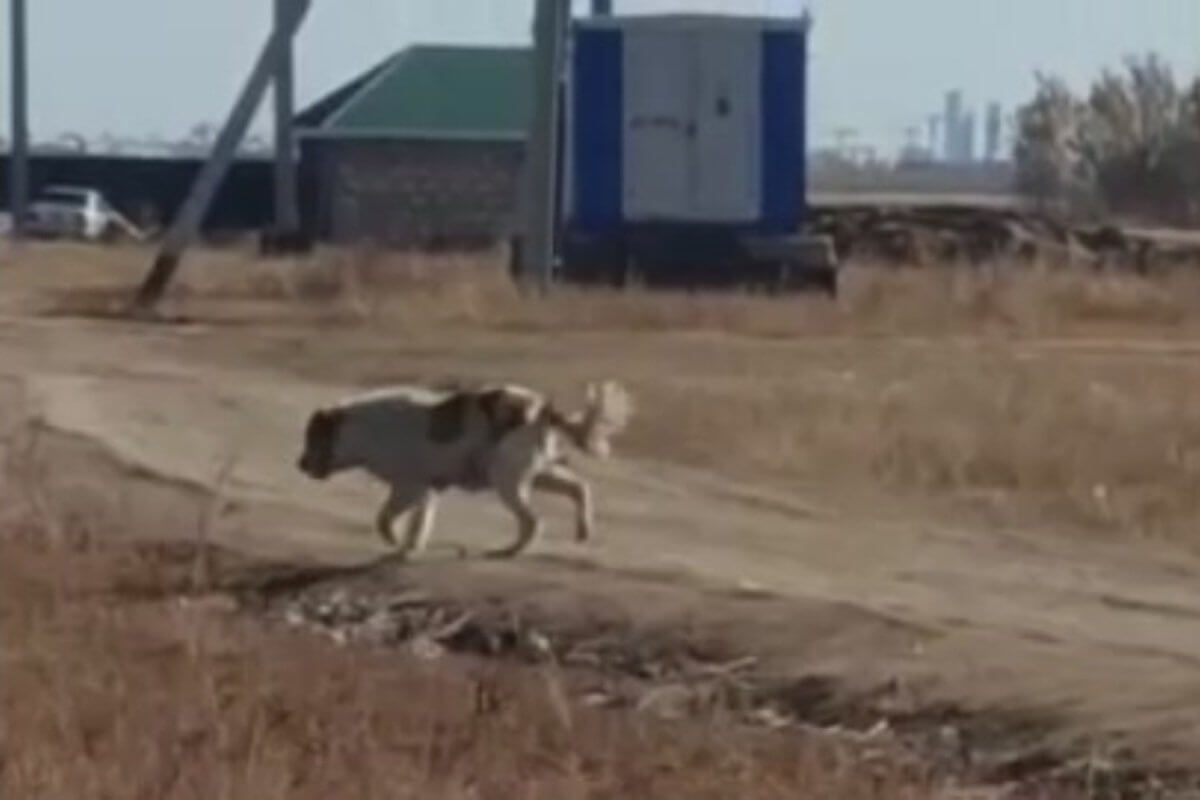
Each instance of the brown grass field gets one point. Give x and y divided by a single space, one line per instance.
1049 400
1053 392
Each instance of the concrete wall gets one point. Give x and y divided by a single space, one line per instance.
416 193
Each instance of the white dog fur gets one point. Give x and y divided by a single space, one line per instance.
421 440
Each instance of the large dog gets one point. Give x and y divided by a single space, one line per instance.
422 440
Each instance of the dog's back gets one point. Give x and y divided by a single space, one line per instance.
401 433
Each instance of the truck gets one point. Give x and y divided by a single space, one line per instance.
683 153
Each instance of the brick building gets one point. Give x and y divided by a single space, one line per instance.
422 150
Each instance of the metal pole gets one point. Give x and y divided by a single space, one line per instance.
287 211
18 154
541 149
602 8
187 221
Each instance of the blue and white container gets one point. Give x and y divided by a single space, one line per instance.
686 119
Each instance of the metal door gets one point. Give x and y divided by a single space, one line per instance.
657 123
725 153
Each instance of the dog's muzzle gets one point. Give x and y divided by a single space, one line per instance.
312 468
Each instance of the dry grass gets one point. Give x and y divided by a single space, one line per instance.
420 290
1032 393
875 301
933 383
108 694
1049 395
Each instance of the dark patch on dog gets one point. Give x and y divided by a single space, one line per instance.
448 419
473 478
320 436
503 412
551 416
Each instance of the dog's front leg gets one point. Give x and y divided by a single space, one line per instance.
386 518
400 499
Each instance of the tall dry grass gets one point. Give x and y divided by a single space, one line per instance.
1113 448
1007 299
1029 393
365 285
1038 394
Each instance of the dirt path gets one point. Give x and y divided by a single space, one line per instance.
1106 637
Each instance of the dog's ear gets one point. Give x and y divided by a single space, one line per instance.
503 411
448 419
323 426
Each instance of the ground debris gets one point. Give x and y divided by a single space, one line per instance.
947 234
664 675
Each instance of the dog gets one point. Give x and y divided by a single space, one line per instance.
423 440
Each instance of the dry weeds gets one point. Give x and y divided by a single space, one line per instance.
876 301
1048 393
938 383
419 290
1033 393
109 692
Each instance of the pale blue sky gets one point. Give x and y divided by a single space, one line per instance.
139 67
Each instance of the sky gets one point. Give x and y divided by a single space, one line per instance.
159 67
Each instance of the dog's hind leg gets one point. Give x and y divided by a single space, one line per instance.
562 480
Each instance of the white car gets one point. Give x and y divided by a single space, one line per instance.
77 212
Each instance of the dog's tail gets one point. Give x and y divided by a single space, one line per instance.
605 414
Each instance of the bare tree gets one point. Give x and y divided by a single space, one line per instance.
1050 168
1133 147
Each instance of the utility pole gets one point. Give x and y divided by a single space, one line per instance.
541 145
187 221
18 154
287 211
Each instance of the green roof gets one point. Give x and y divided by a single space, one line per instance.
431 91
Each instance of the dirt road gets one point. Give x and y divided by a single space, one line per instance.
1106 637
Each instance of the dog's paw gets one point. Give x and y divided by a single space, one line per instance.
503 553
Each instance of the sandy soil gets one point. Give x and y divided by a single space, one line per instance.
1103 638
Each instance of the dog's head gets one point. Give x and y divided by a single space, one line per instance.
320 443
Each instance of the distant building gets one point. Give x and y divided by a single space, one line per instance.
934 127
959 130
966 154
951 125
993 133
425 147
